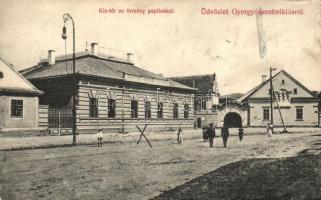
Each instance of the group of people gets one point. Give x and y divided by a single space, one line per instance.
209 134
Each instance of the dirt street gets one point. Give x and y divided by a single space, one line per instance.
131 171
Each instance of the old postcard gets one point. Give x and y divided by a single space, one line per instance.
160 99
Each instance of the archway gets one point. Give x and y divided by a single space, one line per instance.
233 120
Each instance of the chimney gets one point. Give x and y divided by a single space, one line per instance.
128 57
263 78
94 48
51 57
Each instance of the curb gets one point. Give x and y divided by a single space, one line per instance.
49 146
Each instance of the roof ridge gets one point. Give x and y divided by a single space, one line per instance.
88 64
252 91
21 76
191 76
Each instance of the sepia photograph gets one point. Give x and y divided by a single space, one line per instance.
160 99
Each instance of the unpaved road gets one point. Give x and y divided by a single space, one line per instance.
131 171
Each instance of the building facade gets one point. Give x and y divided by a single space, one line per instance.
111 93
18 100
292 101
206 101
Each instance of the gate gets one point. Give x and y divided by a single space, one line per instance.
59 117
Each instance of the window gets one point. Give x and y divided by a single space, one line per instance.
283 82
204 104
299 113
160 110
283 95
148 113
175 111
1 74
111 108
16 108
266 113
93 107
196 106
295 91
198 103
186 111
134 108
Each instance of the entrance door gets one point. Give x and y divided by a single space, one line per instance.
233 120
199 122
59 117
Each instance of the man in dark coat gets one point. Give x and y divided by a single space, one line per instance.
205 133
211 134
225 134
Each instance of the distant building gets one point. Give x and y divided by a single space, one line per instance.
228 98
18 100
206 98
112 93
297 105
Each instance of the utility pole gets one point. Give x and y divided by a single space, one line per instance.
271 95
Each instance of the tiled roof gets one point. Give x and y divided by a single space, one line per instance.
100 66
203 83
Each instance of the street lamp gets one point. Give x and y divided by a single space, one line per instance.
66 17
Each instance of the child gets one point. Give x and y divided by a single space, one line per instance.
180 136
100 137
269 129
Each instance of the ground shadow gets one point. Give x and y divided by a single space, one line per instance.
288 178
315 135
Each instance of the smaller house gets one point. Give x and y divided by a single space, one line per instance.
297 105
18 100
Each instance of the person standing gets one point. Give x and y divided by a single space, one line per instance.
205 133
225 134
241 133
180 136
211 135
100 137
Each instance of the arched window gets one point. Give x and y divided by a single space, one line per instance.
175 111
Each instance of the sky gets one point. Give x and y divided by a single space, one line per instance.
182 43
